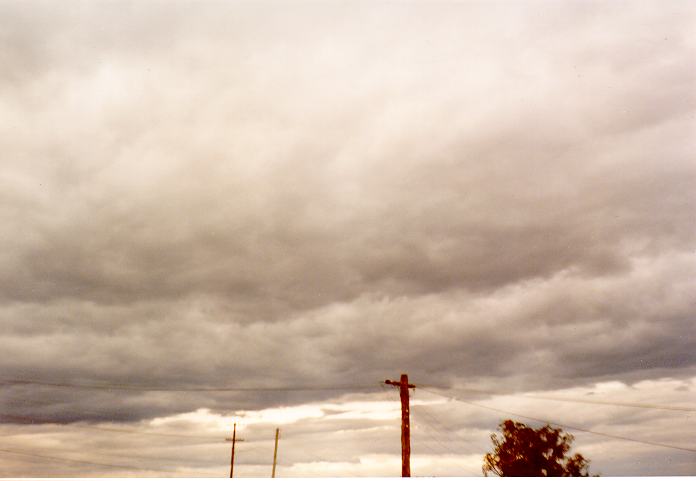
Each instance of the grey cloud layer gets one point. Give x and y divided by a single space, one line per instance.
448 437
243 195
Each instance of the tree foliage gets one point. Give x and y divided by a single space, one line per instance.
525 451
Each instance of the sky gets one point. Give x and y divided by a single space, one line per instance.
496 198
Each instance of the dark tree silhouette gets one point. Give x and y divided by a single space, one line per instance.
525 451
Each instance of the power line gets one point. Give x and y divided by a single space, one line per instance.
147 433
574 400
435 422
357 387
113 430
434 437
128 455
614 403
134 387
566 426
92 463
212 438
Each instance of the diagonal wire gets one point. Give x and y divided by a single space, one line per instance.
424 443
441 429
435 422
387 391
436 440
569 399
566 426
425 411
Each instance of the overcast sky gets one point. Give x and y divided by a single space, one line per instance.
492 195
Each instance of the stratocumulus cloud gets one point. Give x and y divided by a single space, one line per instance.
260 194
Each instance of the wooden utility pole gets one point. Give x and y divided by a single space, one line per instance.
405 424
234 441
275 452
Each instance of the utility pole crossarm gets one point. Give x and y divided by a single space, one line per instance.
398 384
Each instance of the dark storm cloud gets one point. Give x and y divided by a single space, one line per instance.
232 196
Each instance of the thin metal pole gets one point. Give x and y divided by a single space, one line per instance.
234 441
275 453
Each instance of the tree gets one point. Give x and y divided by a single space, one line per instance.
525 451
